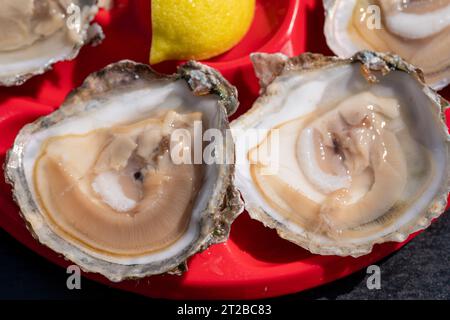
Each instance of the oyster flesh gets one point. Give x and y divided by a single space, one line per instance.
34 34
417 30
340 154
97 181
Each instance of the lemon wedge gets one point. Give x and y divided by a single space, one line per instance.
197 29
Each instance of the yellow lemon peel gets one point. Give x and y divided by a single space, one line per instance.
197 29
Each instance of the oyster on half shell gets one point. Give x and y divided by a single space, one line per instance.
34 34
417 30
347 153
96 180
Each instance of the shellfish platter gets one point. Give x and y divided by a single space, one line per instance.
321 165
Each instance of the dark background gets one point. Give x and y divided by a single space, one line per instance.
420 270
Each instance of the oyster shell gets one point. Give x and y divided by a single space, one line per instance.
96 181
38 33
418 31
340 154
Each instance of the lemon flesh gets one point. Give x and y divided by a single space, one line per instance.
197 29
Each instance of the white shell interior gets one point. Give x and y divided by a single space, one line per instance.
336 25
36 57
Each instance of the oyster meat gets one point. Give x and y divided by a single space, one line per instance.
340 154
417 30
98 182
34 34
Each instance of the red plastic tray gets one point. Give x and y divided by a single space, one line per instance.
254 262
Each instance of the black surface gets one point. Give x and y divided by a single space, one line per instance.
421 270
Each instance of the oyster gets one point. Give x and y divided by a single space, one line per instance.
34 34
340 154
97 181
418 31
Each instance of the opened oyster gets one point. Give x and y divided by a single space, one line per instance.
98 182
340 154
418 31
34 34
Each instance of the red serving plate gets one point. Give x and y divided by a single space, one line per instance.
254 262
